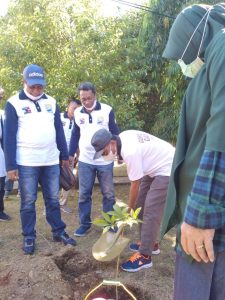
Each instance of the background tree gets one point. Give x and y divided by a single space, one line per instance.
165 82
121 55
74 43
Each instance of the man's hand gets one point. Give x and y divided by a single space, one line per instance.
75 161
71 160
13 175
65 163
198 242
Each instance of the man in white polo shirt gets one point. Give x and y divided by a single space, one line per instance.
34 145
149 160
68 123
90 117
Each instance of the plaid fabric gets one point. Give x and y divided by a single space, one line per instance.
206 202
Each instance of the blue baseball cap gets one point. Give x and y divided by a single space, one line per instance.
34 74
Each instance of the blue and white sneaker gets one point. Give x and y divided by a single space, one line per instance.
82 231
137 262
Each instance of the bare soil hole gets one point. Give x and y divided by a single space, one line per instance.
83 274
111 293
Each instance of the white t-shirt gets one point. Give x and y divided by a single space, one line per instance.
145 154
2 158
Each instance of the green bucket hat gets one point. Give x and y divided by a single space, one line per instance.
184 26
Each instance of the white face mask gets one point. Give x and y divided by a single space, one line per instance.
31 97
192 69
110 157
90 108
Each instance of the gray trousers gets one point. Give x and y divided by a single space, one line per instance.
151 197
200 281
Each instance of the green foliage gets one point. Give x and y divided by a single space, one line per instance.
166 123
74 44
122 56
165 82
118 217
164 93
37 36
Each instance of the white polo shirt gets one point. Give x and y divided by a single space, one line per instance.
67 127
36 136
89 124
145 154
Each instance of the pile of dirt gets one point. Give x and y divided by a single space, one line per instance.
83 275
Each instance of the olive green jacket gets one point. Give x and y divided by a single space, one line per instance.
202 118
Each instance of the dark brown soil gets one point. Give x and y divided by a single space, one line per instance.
70 273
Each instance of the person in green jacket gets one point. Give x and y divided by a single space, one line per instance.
196 193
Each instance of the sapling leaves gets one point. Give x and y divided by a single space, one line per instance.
118 217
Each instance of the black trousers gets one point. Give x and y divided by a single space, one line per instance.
2 193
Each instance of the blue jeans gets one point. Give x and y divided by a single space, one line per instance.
48 178
87 175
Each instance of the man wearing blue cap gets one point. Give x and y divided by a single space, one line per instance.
34 145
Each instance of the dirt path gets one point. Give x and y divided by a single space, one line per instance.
69 273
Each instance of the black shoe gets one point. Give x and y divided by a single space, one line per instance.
4 216
82 231
28 246
64 237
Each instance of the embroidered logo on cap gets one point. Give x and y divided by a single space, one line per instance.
35 74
